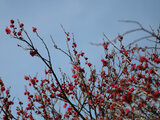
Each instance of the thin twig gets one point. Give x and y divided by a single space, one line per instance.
56 47
45 47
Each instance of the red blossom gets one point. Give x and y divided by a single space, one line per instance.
7 30
74 76
89 64
68 39
105 46
151 71
33 52
1 82
5 117
49 71
131 89
34 29
103 74
59 94
91 102
33 81
86 58
12 21
78 68
19 33
65 105
11 26
127 98
2 88
127 111
21 25
26 77
82 54
52 95
120 38
125 52
78 55
119 118
157 60
140 67
74 45
103 84
71 87
66 115
156 94
104 62
69 109
143 59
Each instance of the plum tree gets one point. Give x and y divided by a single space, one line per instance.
127 86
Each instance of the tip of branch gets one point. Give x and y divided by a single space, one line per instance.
131 21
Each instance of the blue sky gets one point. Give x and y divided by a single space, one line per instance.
87 19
